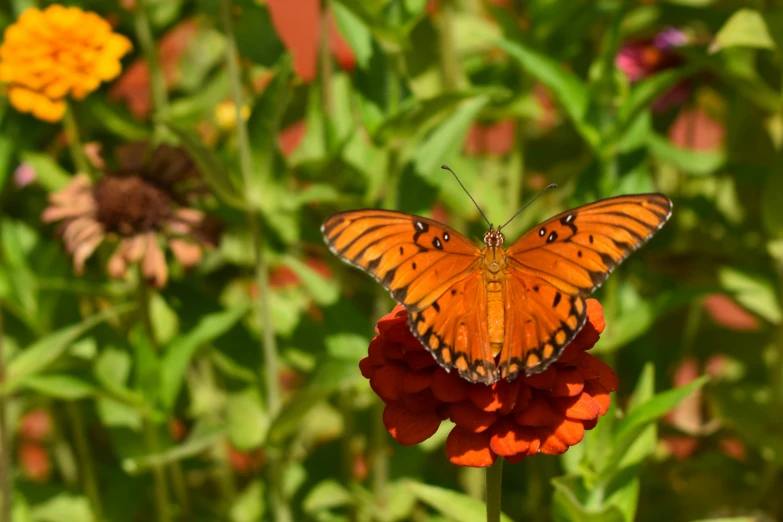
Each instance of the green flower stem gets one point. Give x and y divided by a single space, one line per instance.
87 471
449 63
149 48
5 443
276 464
75 143
494 490
158 472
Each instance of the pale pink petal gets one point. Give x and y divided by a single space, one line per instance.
188 253
153 266
117 267
134 248
84 251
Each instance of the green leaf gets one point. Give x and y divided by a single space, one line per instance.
210 166
202 437
250 504
180 351
629 429
115 120
446 140
568 503
745 28
202 103
45 351
697 163
754 292
356 33
246 419
567 88
325 495
7 152
64 506
66 387
729 519
323 291
48 172
456 506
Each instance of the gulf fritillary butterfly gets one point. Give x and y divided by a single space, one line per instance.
491 312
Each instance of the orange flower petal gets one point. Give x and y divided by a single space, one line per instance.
409 428
421 402
595 315
570 353
539 413
535 446
397 317
544 380
465 448
416 381
590 424
386 382
509 439
570 432
581 407
594 367
569 383
449 387
500 397
420 360
599 394
551 445
465 415
524 397
516 459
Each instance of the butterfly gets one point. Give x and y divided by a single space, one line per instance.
492 313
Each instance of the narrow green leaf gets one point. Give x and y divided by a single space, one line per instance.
323 291
696 163
568 503
325 495
48 172
178 354
745 28
456 506
754 292
250 504
66 387
39 355
115 120
201 438
356 33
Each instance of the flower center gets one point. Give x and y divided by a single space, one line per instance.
129 205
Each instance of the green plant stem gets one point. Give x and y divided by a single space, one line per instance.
75 143
158 472
449 62
149 48
5 443
280 507
180 488
86 467
494 490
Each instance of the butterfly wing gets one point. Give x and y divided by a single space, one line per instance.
559 262
415 258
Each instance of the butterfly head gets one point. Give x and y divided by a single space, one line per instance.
493 238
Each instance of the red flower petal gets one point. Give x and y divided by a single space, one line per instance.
509 439
465 415
298 26
386 382
595 315
375 351
392 351
599 394
593 366
570 353
465 448
539 413
535 446
551 445
394 319
516 459
366 367
421 402
409 428
569 383
581 407
570 432
500 397
524 397
544 380
449 387
420 360
590 424
414 381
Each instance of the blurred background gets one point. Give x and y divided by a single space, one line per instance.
178 343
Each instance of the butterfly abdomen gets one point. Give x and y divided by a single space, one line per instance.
496 303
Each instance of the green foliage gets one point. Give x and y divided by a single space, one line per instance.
233 391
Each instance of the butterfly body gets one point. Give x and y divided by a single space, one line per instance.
495 312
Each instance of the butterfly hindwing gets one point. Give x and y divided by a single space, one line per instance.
415 258
575 251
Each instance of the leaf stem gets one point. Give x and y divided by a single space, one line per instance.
86 468
5 445
449 64
75 143
280 507
494 490
150 50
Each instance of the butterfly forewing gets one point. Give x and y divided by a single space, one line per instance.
415 258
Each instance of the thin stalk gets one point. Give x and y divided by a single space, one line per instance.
158 473
449 63
494 490
280 507
5 443
75 143
149 48
87 470
180 488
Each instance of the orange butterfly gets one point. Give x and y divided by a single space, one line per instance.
493 312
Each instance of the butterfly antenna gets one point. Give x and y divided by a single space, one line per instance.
446 167
527 205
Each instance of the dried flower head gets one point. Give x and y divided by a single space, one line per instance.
141 207
49 55
543 413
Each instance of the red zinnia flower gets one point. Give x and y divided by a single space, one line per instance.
543 413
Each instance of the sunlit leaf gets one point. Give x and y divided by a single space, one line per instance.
456 506
754 292
745 28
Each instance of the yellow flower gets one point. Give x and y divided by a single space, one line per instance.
58 52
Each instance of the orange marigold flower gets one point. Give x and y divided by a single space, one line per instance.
544 413
57 52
